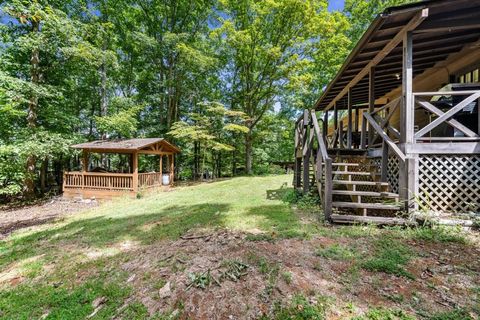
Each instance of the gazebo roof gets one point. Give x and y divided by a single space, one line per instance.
145 145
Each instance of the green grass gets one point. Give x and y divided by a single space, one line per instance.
49 258
384 314
336 252
390 256
300 308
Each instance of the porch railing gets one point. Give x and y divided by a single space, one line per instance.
446 117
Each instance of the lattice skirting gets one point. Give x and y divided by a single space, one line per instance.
392 173
449 183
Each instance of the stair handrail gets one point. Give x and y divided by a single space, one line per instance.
384 136
323 159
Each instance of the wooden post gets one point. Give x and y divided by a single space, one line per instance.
135 171
340 135
161 164
297 179
408 183
325 125
407 89
85 157
172 168
371 101
327 203
478 113
384 169
306 152
357 119
335 125
350 119
363 142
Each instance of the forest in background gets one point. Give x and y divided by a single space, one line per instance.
222 79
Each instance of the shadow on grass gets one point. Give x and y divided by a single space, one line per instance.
278 219
167 223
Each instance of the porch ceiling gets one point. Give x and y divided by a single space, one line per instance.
450 26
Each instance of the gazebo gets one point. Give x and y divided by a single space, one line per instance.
99 182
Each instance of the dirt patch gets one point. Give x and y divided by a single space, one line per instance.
187 275
37 214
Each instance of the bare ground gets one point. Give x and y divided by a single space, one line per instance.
444 277
12 219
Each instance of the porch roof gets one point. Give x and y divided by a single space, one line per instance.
450 26
145 145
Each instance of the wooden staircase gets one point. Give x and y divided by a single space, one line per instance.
353 187
358 194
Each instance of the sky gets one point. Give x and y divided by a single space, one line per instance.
335 5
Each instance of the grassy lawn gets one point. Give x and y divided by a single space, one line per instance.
227 237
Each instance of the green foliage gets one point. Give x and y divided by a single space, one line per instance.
336 252
439 234
224 78
390 257
122 124
455 314
385 314
300 308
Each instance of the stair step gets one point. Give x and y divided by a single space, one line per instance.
340 218
356 205
365 193
354 164
352 173
361 183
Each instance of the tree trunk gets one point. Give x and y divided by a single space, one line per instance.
32 114
248 152
196 160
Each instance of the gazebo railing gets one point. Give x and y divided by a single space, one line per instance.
110 181
97 181
150 179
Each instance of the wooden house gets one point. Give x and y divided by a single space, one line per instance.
99 182
397 131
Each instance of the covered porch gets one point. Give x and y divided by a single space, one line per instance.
100 181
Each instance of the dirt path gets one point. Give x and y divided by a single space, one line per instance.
12 219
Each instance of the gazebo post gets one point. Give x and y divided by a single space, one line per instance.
85 156
135 171
171 169
161 164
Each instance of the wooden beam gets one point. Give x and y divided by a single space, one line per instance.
443 148
411 25
335 125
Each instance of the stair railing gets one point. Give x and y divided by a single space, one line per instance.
323 169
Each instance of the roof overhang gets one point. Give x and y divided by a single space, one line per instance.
146 145
439 27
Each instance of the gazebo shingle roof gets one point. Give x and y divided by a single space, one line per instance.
124 144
